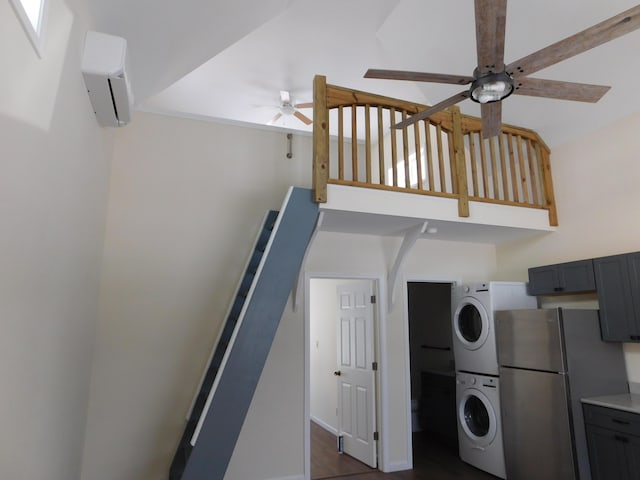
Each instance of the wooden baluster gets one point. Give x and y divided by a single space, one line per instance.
526 198
494 168
532 171
341 142
416 137
512 166
483 166
381 148
503 168
452 163
394 149
427 133
405 152
320 139
367 135
474 164
354 142
540 173
443 186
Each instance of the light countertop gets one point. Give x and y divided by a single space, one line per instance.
629 402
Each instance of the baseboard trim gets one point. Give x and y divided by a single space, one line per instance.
397 467
293 477
324 425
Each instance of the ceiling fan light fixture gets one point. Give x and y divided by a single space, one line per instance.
287 109
491 88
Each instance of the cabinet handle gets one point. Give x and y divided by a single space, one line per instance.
557 289
622 439
634 337
435 347
620 422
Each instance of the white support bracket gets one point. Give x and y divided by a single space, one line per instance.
298 287
408 242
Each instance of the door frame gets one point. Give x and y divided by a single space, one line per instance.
405 292
378 286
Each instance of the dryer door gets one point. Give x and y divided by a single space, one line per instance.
477 417
471 323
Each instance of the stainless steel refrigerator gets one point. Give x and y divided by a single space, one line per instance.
549 359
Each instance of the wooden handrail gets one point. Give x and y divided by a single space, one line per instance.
443 155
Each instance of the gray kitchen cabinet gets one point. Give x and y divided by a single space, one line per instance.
569 277
618 286
613 438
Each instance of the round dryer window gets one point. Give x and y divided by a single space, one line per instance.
471 323
477 418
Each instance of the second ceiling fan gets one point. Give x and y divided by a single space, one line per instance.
287 107
493 81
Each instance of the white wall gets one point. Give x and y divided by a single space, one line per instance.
54 171
596 187
187 199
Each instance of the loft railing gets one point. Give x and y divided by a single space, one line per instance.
443 155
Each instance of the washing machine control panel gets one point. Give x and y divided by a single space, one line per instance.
490 382
470 379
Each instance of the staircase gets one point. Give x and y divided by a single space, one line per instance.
243 345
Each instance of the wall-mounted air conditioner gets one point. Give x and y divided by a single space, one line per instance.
105 75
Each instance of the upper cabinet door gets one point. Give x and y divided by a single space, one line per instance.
569 277
633 263
617 314
543 280
577 276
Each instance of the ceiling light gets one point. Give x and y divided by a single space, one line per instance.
492 87
287 109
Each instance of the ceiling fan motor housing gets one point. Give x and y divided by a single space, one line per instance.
491 87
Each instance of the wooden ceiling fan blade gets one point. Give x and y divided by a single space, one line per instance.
603 32
304 105
275 118
418 76
457 98
578 92
303 118
491 18
491 119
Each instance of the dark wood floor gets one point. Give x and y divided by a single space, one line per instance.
432 460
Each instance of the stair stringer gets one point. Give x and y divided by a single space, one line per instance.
239 375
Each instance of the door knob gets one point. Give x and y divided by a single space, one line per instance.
337 373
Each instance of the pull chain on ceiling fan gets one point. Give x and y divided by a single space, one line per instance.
287 107
493 81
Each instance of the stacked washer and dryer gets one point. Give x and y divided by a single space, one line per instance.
477 379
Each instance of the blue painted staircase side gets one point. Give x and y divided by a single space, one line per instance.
244 344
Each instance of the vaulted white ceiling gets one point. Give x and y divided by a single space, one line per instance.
228 60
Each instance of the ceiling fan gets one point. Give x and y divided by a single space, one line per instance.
287 107
493 81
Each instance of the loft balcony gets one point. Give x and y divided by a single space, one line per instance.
439 173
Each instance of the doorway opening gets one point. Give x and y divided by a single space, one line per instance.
432 367
343 395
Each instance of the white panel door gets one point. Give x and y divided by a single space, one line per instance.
356 376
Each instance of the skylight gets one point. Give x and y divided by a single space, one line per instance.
31 15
